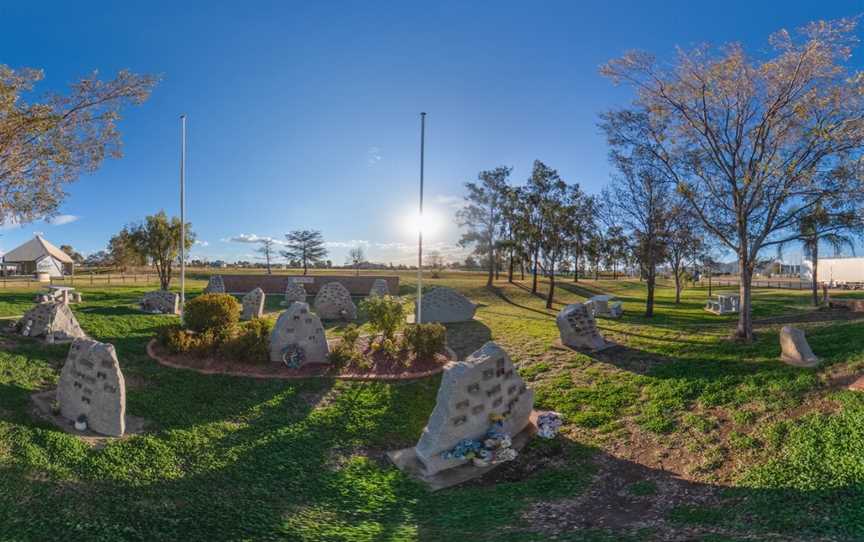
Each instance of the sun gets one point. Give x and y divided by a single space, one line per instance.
429 223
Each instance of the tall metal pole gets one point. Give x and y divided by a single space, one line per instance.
182 215
420 224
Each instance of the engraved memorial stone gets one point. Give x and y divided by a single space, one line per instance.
215 285
161 302
91 385
379 288
253 305
578 329
794 348
466 405
54 321
298 337
295 291
333 302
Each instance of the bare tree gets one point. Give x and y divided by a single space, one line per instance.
435 263
750 140
356 257
684 243
266 249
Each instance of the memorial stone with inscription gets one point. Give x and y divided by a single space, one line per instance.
446 305
215 285
473 393
91 385
294 291
379 288
333 302
161 302
578 329
298 337
253 305
54 321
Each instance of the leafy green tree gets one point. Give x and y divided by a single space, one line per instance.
48 143
123 251
158 240
72 253
482 214
305 246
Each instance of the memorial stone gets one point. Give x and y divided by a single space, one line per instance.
295 291
333 302
578 329
473 394
53 320
253 305
794 348
91 385
445 305
379 288
298 337
161 302
215 285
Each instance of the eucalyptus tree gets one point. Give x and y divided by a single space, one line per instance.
482 215
585 222
684 243
538 190
557 236
750 140
49 141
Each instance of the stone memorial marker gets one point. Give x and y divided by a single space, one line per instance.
333 302
446 305
53 320
215 285
161 302
295 291
298 337
578 329
606 306
794 348
253 305
379 288
91 385
472 395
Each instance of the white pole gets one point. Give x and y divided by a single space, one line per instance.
182 215
420 225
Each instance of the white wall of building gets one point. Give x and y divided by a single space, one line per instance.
838 270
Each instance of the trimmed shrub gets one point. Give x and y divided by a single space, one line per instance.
344 351
216 312
251 344
183 341
425 340
386 314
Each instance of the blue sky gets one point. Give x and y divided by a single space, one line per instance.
305 114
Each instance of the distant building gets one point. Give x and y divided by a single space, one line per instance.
39 256
835 270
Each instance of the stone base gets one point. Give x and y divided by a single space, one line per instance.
42 402
406 461
558 345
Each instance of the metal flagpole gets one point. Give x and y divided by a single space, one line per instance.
420 224
182 215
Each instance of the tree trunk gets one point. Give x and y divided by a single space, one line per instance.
305 268
551 286
815 284
510 268
491 269
534 264
522 268
576 268
676 271
744 330
649 302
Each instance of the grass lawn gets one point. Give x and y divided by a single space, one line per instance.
676 434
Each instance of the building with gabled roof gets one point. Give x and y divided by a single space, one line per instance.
39 256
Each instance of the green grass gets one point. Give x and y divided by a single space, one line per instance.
241 459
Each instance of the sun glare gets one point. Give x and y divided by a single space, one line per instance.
429 223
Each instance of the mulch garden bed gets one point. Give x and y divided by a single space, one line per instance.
382 366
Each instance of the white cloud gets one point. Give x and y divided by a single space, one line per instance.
202 243
10 224
347 244
60 220
251 238
373 156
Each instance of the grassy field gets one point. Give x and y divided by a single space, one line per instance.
675 434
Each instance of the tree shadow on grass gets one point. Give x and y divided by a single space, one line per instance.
503 296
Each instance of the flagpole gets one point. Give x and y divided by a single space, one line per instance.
182 215
420 224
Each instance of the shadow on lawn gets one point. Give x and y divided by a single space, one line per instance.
295 474
466 337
